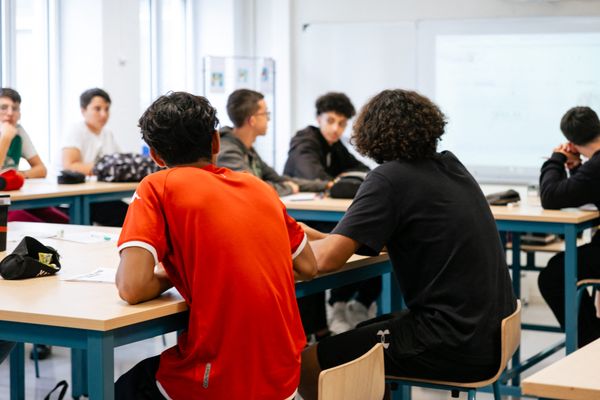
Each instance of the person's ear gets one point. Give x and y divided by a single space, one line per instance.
216 143
156 158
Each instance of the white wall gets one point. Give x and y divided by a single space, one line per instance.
371 13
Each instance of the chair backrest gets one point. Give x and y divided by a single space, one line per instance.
510 332
511 338
360 379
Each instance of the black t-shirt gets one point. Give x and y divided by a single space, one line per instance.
446 252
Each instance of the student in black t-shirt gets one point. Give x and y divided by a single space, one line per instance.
429 213
581 127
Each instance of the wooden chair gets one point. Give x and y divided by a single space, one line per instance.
510 340
360 379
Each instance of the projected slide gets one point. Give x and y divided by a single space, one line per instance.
504 95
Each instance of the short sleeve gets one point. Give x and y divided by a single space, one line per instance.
371 218
73 138
28 150
296 234
144 224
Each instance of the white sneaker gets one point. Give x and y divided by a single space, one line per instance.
338 322
356 313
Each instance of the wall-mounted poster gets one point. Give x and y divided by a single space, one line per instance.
266 76
244 71
217 75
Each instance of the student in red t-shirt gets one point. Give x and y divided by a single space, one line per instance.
226 242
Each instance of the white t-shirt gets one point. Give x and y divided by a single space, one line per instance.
91 146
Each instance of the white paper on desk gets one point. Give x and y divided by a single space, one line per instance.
89 237
589 207
104 275
17 236
300 196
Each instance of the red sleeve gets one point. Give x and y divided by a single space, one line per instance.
295 233
145 225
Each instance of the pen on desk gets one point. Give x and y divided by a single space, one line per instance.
100 236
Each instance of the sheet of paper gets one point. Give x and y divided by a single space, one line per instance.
89 237
18 235
300 196
104 275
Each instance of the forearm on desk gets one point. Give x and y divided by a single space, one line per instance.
137 279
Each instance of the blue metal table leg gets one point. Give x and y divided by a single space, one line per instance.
570 288
386 293
100 366
75 211
17 372
86 212
402 393
516 278
78 373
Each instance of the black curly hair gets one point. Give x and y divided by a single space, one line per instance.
336 102
179 126
398 125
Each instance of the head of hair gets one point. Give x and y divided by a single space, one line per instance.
580 125
335 102
86 97
179 127
398 125
241 105
11 94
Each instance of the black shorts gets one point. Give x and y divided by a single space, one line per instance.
401 356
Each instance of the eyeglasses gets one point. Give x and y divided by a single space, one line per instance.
5 107
265 113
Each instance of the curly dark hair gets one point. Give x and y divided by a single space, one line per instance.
580 125
398 125
336 102
179 126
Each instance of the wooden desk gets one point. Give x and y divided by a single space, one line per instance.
92 320
574 377
524 218
47 193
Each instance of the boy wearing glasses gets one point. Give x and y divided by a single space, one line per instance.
14 141
247 110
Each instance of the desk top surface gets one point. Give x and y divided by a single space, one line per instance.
574 377
521 212
87 305
34 189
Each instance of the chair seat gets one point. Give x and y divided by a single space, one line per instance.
465 385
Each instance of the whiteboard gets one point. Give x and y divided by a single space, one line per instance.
504 86
359 59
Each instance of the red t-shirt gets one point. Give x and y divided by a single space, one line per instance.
226 242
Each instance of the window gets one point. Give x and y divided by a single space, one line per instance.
28 51
166 48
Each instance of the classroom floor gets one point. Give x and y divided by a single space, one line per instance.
57 367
